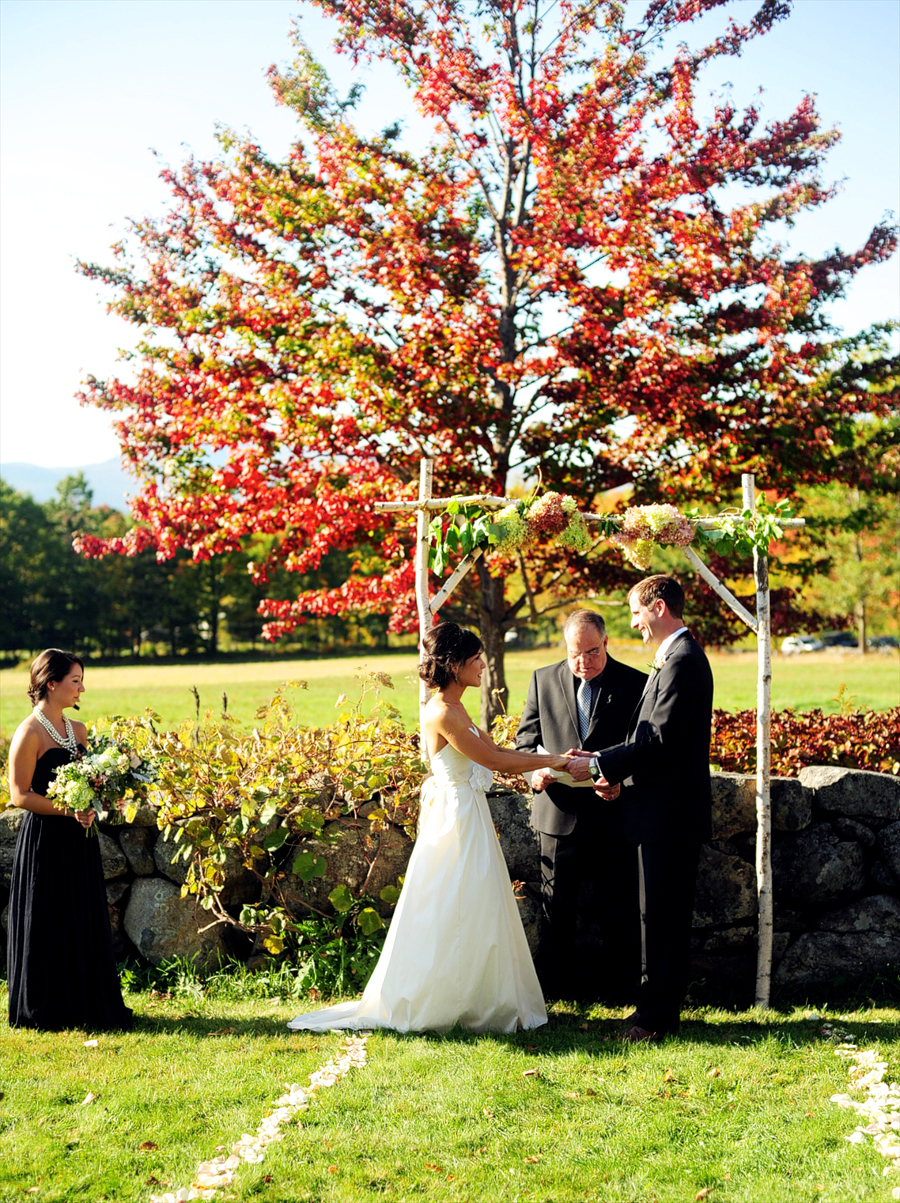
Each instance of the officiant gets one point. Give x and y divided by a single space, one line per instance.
588 869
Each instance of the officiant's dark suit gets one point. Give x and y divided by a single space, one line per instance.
582 838
667 813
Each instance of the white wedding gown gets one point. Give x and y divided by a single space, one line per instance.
455 952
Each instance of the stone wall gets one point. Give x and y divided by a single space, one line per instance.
836 860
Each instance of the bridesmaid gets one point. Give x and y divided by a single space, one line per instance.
62 972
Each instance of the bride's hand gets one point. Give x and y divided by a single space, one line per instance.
85 817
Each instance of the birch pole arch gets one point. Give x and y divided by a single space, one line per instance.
760 624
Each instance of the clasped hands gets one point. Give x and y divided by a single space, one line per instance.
579 767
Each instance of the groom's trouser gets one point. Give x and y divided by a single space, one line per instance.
667 879
595 852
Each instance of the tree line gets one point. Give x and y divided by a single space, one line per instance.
843 572
136 605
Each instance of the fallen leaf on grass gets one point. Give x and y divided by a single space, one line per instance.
532 1158
148 1146
91 1043
701 1194
429 1166
332 1169
223 1032
531 1073
714 1073
90 1097
668 1076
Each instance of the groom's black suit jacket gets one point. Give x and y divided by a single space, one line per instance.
550 718
665 757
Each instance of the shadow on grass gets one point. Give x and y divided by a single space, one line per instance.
212 1026
568 1030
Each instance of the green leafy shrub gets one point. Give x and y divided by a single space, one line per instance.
264 804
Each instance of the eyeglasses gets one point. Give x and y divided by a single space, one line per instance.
591 654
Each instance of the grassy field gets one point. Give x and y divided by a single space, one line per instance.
738 1108
803 682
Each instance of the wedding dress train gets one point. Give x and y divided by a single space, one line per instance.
455 952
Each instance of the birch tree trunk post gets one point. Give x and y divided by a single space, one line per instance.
763 760
423 601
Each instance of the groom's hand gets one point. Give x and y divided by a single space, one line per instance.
606 791
580 766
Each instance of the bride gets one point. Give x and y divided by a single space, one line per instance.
455 952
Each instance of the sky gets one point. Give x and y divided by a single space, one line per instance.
90 89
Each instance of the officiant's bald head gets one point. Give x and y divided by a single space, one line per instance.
585 634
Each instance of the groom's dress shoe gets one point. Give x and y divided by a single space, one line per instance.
638 1035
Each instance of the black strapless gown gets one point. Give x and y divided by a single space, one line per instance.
62 972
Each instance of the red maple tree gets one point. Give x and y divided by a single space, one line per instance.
562 280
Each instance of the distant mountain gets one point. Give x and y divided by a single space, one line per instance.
108 481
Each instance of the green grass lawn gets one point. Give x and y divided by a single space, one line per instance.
738 1107
804 682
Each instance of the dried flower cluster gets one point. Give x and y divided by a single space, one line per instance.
646 525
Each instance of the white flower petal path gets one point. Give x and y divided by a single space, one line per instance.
880 1109
219 1172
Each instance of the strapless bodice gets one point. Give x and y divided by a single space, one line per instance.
453 768
48 765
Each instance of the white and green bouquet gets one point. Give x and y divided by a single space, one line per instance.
105 777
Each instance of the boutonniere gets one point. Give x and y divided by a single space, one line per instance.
656 663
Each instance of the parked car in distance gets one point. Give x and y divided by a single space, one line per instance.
883 642
840 639
801 643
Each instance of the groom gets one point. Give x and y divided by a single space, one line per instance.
668 807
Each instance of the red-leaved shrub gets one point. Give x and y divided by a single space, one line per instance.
861 739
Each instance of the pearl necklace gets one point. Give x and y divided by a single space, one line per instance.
69 742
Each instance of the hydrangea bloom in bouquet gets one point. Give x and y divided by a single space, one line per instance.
644 526
104 777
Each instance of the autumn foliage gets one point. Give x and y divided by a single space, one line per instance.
856 739
579 274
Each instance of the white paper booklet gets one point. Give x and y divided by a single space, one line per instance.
565 778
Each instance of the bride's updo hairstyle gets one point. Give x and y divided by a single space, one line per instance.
445 648
50 666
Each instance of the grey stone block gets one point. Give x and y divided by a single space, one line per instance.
161 924
112 857
115 890
819 958
815 867
889 848
520 845
849 829
137 844
733 804
726 890
877 913
791 804
873 798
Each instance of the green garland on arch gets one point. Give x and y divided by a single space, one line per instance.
636 531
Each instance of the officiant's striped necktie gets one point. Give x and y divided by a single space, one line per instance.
583 702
